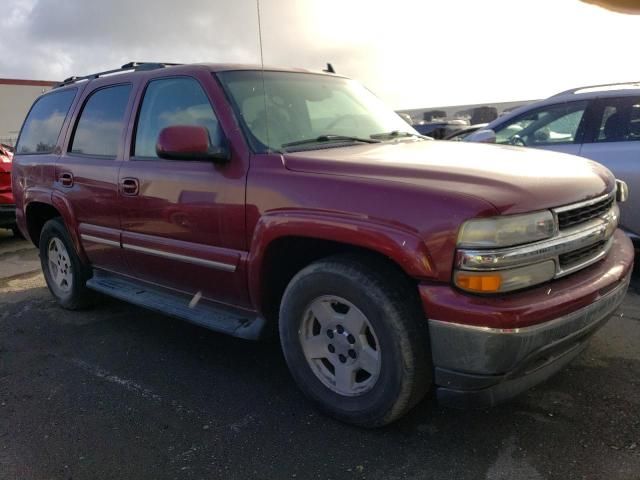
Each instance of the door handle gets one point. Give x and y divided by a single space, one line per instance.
129 186
66 179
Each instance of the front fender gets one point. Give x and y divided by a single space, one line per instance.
402 245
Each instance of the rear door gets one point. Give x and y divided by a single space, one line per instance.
86 176
183 222
613 139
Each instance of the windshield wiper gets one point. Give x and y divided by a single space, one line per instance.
399 134
329 138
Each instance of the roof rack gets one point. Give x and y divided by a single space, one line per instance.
604 85
131 66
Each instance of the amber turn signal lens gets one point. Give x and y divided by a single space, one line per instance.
505 280
489 282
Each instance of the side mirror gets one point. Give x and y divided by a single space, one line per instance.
189 142
485 135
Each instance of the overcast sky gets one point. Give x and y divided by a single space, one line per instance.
412 53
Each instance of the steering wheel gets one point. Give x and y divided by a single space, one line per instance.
518 141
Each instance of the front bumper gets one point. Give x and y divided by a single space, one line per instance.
7 216
477 366
497 347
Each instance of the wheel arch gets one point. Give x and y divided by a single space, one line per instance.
39 211
286 243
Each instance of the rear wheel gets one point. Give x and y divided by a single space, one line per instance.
355 339
63 270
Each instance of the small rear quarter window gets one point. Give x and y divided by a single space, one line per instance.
43 124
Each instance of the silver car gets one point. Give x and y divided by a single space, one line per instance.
600 122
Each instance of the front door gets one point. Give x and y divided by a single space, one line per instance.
183 221
555 127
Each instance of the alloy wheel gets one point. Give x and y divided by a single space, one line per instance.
59 264
340 345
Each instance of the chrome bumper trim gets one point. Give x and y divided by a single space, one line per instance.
494 351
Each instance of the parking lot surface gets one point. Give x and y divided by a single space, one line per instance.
119 392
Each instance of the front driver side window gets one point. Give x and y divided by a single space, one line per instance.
552 125
173 101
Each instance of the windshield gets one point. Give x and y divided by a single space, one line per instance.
301 110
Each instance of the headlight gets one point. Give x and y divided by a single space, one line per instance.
507 231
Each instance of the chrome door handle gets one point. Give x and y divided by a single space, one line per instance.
66 179
129 186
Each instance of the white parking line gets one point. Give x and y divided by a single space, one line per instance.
109 377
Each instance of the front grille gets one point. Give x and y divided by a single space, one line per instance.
575 216
582 254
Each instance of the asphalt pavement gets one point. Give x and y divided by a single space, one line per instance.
117 392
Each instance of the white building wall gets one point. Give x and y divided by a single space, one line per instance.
15 101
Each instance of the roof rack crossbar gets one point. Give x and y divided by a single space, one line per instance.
574 90
135 66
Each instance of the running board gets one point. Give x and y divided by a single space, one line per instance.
237 323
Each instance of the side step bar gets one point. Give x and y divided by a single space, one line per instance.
237 323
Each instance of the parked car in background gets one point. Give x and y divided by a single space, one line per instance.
600 122
463 133
259 202
438 130
7 204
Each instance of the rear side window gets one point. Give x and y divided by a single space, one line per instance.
618 120
99 129
173 101
44 122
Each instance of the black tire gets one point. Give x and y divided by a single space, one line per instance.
391 306
78 296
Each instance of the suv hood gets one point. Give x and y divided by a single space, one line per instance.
513 179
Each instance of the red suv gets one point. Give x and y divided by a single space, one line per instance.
255 201
7 205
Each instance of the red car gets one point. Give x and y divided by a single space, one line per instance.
294 203
7 204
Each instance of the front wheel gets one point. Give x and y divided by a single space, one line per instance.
355 339
64 272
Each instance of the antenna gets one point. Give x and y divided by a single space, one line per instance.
260 34
264 90
329 69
